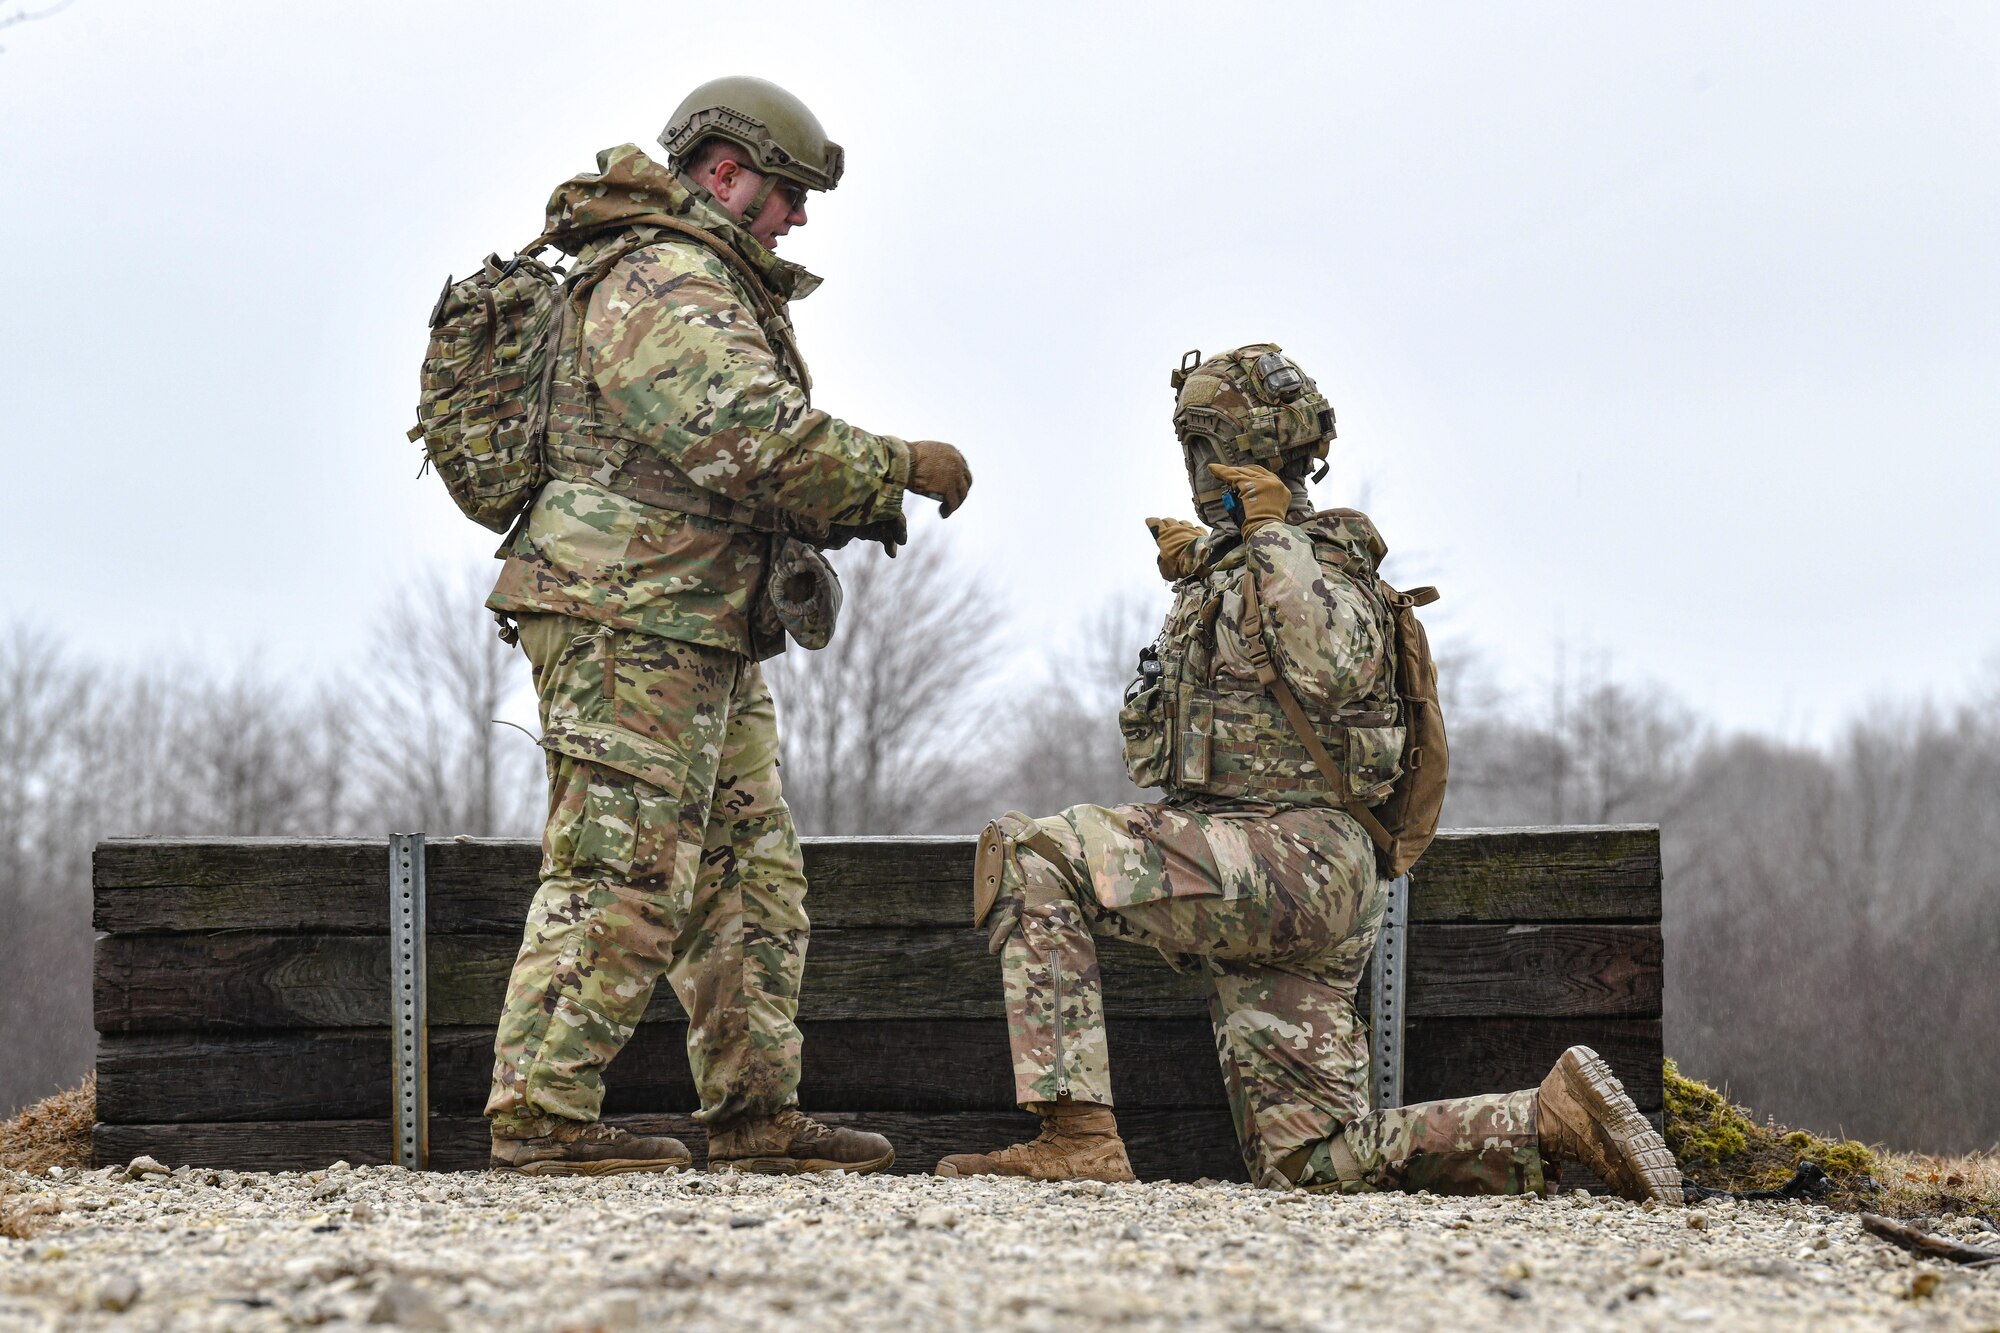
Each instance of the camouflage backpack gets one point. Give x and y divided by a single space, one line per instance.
485 385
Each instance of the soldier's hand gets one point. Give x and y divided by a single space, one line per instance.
1176 538
939 471
892 533
1263 494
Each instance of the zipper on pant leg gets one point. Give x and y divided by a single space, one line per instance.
1062 1068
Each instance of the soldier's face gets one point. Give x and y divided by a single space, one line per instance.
735 186
784 210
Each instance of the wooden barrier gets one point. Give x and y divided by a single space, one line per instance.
242 997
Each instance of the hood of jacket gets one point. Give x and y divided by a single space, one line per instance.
628 185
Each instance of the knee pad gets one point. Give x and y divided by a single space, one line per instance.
990 868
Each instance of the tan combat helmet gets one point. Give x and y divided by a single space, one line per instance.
780 133
1250 405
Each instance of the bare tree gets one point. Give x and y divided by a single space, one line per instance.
882 728
1833 921
26 15
424 718
1603 752
1064 746
44 865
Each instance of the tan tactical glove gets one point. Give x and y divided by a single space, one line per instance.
1262 493
939 471
1176 538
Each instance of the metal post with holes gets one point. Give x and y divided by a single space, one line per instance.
1385 1042
409 1025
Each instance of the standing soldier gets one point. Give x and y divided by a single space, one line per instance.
691 480
1260 869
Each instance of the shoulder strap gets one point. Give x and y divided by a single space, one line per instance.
1267 675
569 308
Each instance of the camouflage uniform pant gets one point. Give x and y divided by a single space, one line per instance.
669 853
1280 913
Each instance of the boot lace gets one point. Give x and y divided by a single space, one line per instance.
599 1132
803 1129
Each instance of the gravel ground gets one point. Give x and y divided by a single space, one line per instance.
200 1249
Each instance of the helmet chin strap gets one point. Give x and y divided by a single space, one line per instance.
758 200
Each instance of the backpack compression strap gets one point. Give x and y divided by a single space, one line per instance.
1386 846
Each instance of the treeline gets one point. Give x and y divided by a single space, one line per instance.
1833 912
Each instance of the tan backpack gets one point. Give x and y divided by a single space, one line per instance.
1403 825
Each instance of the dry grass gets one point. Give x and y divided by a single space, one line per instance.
53 1132
1914 1184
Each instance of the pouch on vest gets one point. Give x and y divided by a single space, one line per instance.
1144 726
1196 737
1374 761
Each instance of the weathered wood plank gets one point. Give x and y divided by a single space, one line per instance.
248 981
1164 1145
1607 872
275 981
906 1065
1459 1057
245 982
484 885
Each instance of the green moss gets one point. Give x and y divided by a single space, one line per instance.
1702 1127
1719 1145
1838 1157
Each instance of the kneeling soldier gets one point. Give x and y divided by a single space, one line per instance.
1260 868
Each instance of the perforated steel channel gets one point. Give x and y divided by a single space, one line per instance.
1385 1027
409 1025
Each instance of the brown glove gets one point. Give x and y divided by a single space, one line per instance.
1262 493
1176 538
939 471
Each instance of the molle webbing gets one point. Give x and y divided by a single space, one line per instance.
1252 751
1386 848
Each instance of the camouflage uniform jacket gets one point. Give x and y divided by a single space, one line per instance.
681 432
1208 731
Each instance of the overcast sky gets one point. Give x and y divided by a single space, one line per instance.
1668 332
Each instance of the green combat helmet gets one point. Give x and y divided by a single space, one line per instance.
778 131
1249 406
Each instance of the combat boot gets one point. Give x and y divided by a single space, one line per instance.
1079 1141
790 1143
1584 1115
585 1148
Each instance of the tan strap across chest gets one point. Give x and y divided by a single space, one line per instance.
1269 676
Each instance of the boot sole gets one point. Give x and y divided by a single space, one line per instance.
1636 1162
614 1167
951 1172
794 1166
